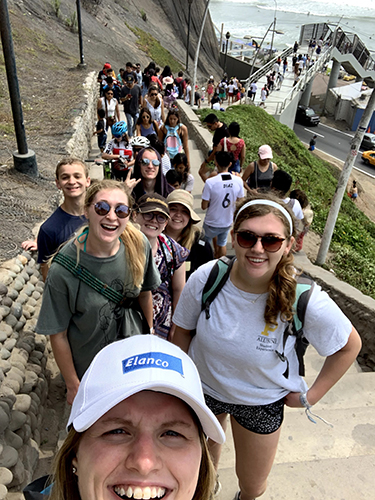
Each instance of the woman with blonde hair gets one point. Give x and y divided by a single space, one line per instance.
99 284
247 362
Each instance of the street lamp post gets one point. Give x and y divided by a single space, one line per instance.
227 36
188 35
24 159
82 63
274 28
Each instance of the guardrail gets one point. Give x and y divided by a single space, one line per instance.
318 65
266 68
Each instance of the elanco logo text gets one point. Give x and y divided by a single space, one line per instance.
154 360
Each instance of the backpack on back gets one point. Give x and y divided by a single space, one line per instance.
172 141
216 280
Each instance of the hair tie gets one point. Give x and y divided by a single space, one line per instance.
271 204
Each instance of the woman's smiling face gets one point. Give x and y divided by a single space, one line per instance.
146 447
109 227
256 262
180 217
149 171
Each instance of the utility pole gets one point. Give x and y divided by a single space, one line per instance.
197 52
82 63
24 159
188 35
343 181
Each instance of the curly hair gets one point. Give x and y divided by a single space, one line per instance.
282 286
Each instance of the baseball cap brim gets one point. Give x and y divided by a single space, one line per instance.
209 422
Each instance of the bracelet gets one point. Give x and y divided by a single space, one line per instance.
303 400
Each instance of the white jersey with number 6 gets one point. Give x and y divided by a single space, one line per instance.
222 191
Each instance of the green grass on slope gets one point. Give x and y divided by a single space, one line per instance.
353 241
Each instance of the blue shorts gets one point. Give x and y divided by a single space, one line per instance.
221 233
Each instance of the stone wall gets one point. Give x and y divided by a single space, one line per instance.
79 144
23 373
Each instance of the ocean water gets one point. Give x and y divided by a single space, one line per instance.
251 18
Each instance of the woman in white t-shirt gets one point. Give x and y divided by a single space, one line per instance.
247 369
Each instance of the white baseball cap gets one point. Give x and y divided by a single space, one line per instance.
140 363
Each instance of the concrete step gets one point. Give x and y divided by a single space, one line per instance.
315 461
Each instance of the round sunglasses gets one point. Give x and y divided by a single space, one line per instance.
146 161
103 208
270 243
149 216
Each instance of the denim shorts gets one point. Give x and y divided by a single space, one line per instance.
221 233
261 419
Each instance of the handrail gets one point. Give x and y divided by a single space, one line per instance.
318 65
264 69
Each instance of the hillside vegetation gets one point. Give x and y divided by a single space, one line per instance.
353 244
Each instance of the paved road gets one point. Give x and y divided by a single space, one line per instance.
333 142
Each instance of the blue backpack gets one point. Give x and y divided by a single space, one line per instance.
172 141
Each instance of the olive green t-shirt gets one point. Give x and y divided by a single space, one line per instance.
92 321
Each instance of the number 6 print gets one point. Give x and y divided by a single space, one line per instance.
226 201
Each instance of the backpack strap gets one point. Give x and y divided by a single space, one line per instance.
166 246
304 288
84 275
215 282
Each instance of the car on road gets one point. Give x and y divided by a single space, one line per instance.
368 142
368 157
307 115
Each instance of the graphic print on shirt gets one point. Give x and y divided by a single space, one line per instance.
264 341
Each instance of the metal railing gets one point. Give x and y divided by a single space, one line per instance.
310 73
254 77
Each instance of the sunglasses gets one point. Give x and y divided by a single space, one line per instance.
146 161
149 216
109 93
153 95
103 208
270 243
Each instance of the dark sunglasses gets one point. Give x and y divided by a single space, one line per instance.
270 243
149 216
146 161
153 95
103 208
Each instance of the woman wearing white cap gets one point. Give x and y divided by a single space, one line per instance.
259 173
182 227
248 364
137 428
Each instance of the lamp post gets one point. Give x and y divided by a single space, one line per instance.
24 159
227 36
82 63
188 35
274 28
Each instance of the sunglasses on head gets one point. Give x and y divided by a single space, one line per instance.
149 216
270 243
146 161
103 208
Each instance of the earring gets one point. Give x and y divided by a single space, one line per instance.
74 470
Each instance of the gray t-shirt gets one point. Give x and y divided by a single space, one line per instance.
92 321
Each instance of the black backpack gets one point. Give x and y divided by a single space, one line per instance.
215 282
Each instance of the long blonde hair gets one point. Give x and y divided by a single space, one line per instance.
282 287
133 239
65 482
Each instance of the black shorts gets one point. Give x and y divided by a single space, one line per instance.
261 419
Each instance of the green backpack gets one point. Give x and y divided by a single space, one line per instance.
215 282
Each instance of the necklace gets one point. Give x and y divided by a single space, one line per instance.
245 295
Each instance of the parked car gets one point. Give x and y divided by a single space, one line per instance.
348 78
368 157
307 115
368 142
